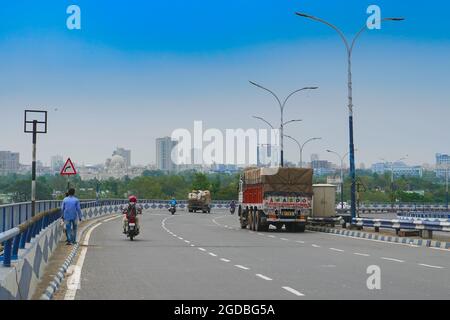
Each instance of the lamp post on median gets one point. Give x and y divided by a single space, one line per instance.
392 178
302 146
282 105
349 48
35 122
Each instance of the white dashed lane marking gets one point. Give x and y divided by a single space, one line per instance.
264 277
337 250
361 254
392 259
430 266
241 267
284 239
315 246
225 260
201 249
213 254
289 289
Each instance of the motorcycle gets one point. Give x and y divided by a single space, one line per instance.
132 230
173 209
232 210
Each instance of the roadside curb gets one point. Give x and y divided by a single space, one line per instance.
386 238
55 284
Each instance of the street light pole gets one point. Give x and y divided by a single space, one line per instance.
302 146
35 118
392 179
349 48
282 105
446 186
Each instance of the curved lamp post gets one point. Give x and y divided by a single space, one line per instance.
282 105
349 46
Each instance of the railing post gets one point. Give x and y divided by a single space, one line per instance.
23 238
7 253
15 249
12 217
4 219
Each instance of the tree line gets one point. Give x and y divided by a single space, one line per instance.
158 185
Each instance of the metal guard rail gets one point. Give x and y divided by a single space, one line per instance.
17 238
419 225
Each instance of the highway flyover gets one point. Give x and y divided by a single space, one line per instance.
208 257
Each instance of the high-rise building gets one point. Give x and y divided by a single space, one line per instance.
126 154
322 167
442 164
164 147
56 163
9 162
398 168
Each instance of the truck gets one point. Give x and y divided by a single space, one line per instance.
199 200
277 197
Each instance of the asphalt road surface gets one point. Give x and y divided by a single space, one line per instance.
208 257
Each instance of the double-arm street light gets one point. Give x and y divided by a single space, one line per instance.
349 46
392 177
302 146
342 174
282 106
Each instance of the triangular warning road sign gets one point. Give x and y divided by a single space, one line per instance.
68 169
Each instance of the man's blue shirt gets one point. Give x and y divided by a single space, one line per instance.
70 208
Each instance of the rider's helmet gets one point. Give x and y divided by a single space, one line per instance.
132 199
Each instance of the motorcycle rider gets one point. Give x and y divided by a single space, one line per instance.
133 209
232 206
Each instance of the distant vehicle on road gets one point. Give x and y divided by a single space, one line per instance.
275 196
346 206
199 200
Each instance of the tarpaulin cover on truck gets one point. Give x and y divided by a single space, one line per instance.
281 180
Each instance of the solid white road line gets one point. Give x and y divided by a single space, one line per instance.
430 266
361 254
264 277
392 259
299 294
241 267
337 250
224 260
74 281
111 219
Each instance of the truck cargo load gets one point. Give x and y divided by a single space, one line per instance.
199 200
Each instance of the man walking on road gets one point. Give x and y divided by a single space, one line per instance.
71 210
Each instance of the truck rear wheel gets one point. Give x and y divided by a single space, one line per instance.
257 222
250 219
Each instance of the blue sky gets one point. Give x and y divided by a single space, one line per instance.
161 64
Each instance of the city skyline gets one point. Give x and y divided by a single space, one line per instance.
97 81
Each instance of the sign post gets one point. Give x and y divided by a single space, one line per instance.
35 122
68 170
